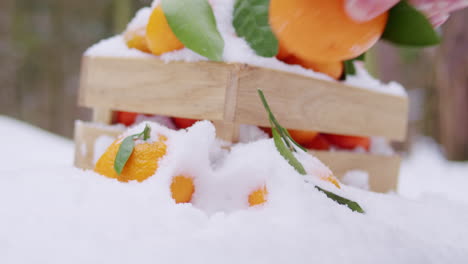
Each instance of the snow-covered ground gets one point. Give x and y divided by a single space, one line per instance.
51 212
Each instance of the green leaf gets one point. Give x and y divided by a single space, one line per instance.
407 26
349 68
292 140
361 57
146 132
251 22
286 153
125 150
194 24
341 200
281 137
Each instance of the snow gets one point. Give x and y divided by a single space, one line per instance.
27 147
51 212
425 174
356 178
140 20
236 50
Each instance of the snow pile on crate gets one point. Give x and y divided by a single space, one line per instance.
66 215
236 50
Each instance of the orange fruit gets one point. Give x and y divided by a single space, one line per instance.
348 142
136 39
142 163
333 69
183 123
159 35
302 137
182 189
258 196
321 31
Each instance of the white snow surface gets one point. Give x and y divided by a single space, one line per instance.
51 212
236 50
425 174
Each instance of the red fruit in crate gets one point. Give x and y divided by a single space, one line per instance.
183 123
348 142
318 143
126 118
267 130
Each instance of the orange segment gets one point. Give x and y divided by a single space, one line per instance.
136 39
141 165
321 31
159 35
182 189
258 196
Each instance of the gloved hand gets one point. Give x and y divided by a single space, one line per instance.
436 10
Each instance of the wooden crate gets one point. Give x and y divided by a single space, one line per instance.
227 95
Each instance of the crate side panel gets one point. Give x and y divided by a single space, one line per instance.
306 103
148 85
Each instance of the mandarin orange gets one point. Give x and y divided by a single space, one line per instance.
333 69
142 163
136 39
321 31
258 196
302 137
159 35
182 189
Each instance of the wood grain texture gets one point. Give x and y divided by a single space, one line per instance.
228 92
383 170
148 85
301 102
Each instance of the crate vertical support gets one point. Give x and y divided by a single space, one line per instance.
84 152
103 115
227 129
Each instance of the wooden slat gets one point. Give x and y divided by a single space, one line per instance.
306 103
228 92
383 170
148 85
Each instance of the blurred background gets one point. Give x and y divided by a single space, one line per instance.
41 44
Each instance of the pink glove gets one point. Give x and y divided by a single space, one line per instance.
436 10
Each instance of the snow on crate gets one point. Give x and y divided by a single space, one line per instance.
67 215
236 50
